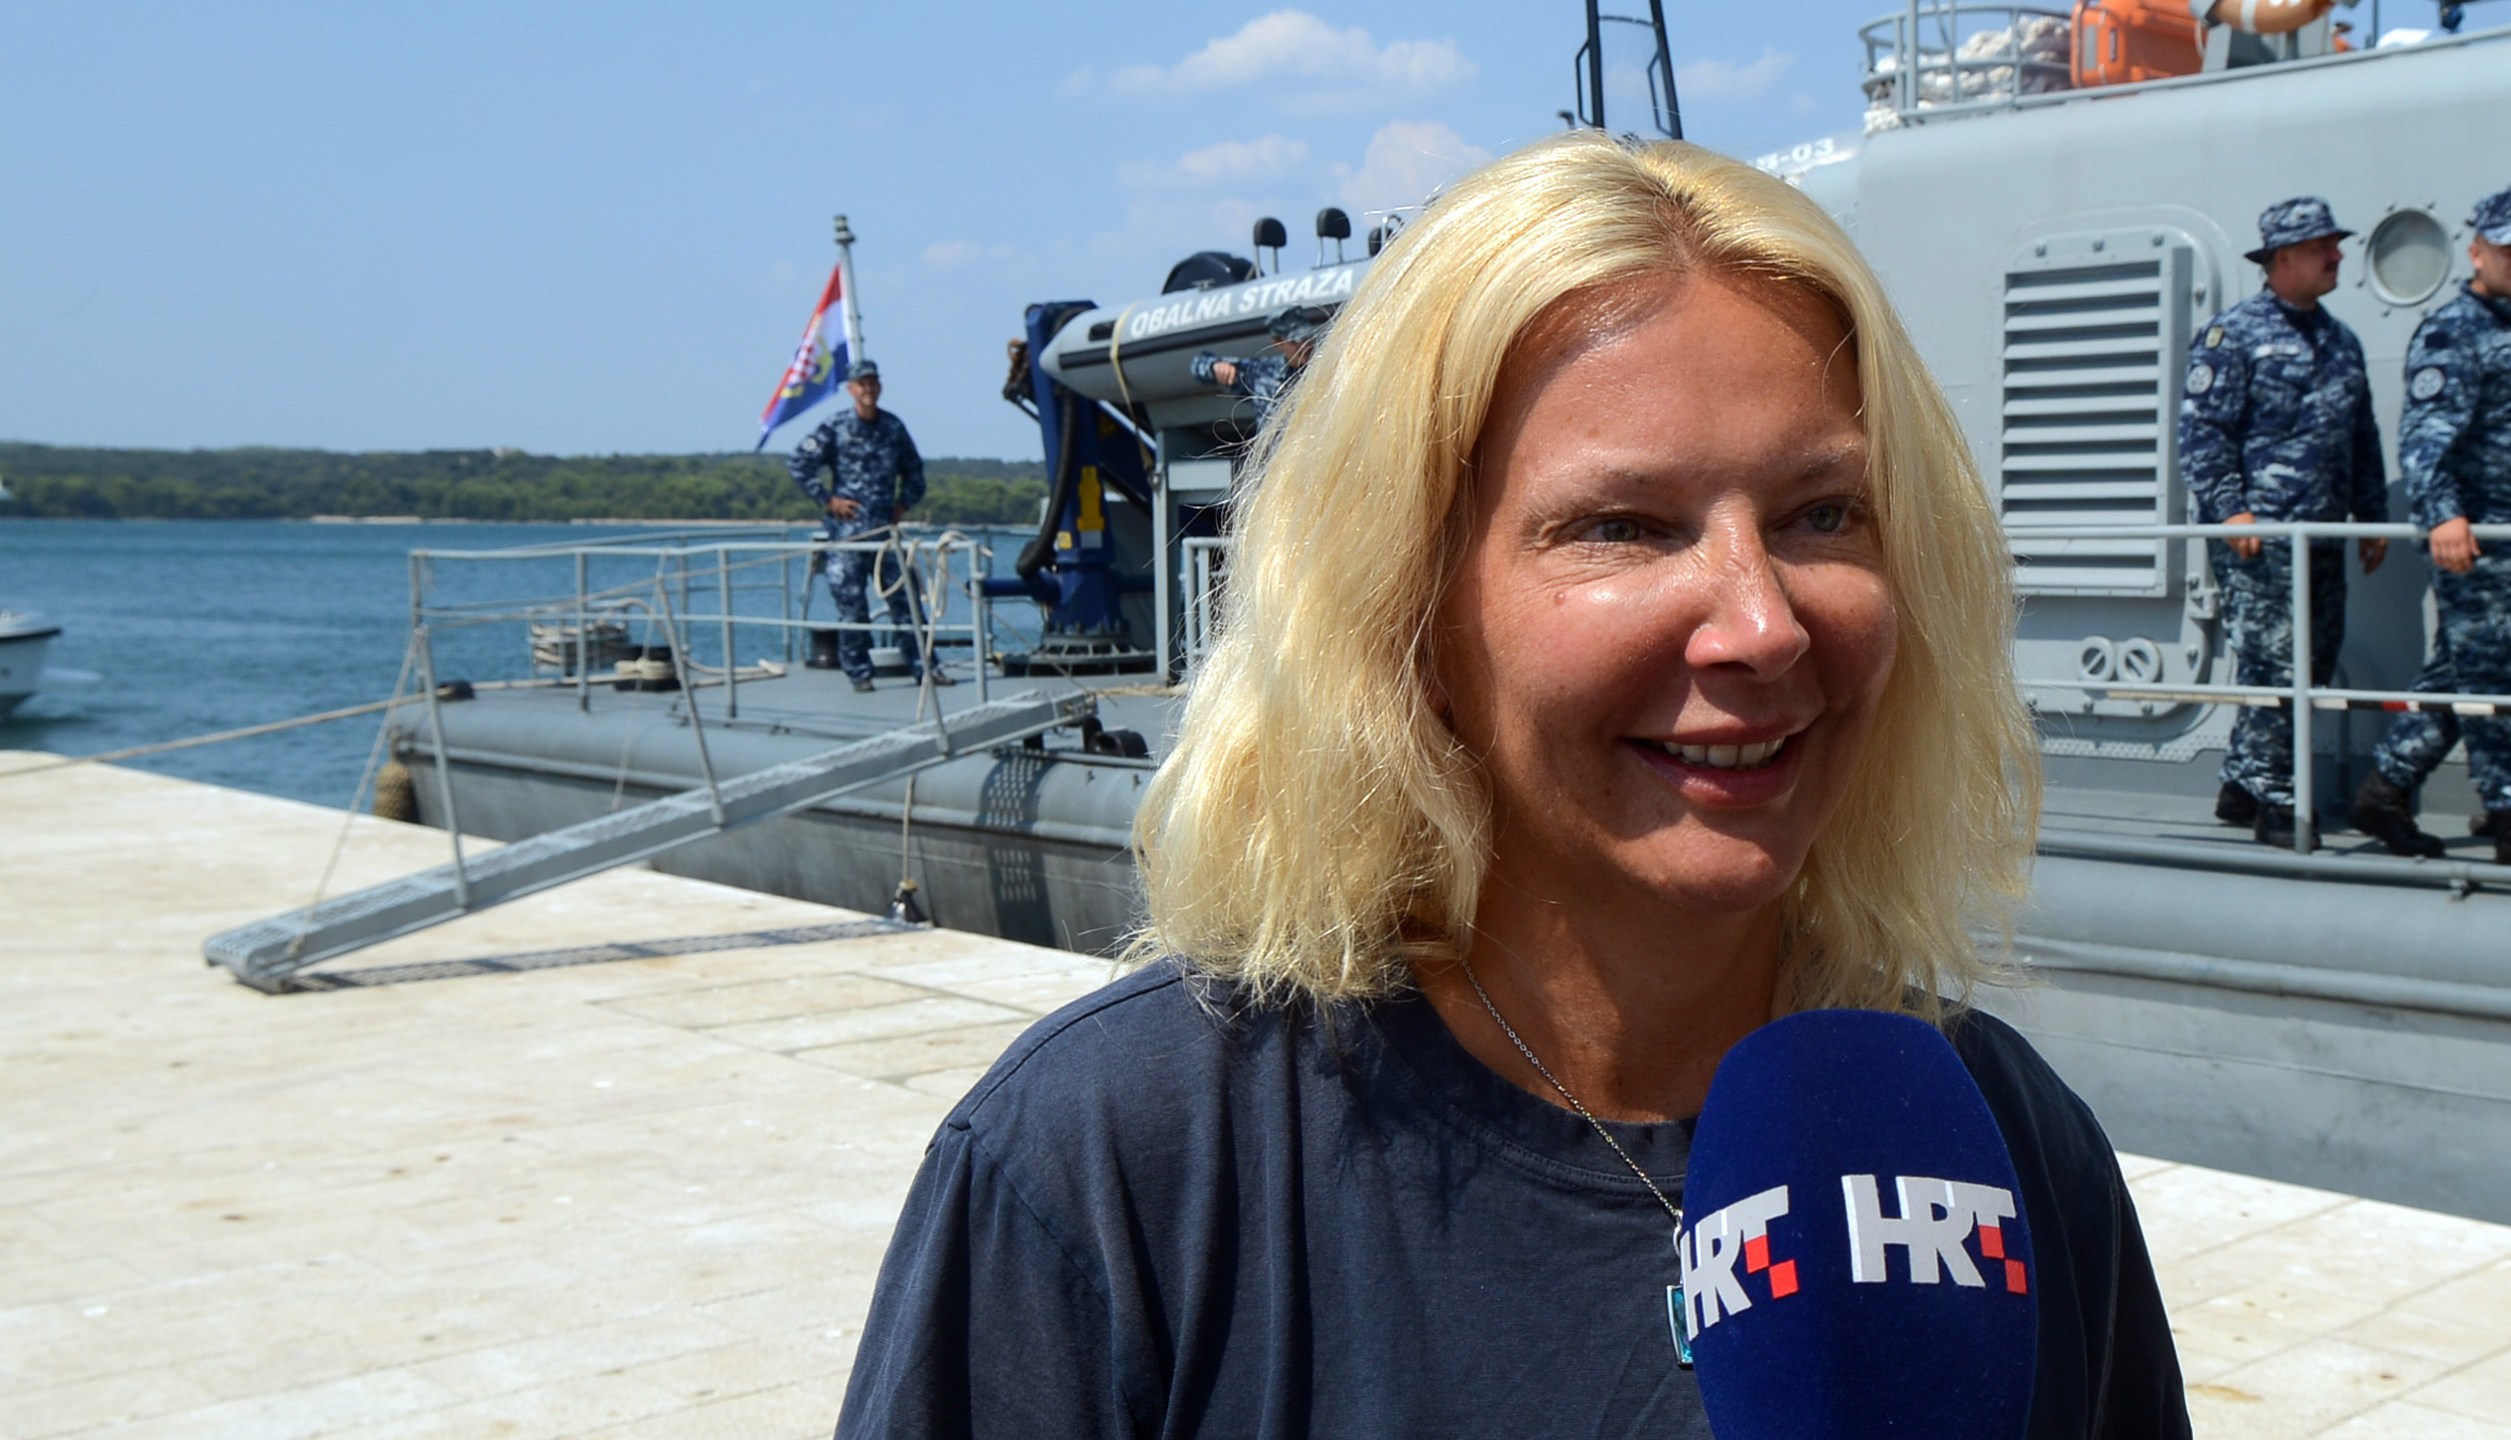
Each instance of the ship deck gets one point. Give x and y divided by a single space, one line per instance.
2176 806
2190 819
621 1159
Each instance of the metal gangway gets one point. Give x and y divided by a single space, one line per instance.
563 627
266 953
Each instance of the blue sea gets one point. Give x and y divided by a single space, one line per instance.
192 626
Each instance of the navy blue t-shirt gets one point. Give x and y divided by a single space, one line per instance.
1169 1212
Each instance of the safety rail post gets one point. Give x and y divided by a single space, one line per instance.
1908 76
784 598
981 616
680 663
583 638
426 641
732 661
444 761
2305 798
1949 29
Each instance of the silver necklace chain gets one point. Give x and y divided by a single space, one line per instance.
1584 1113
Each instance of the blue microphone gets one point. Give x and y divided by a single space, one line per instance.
1854 1256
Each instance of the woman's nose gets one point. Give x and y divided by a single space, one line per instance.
1745 616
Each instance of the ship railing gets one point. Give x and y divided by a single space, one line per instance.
1944 56
2301 699
688 567
1206 559
703 581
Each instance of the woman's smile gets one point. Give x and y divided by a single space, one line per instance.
1724 777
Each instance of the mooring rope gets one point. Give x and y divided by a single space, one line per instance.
269 727
923 610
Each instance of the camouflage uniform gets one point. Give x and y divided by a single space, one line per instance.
2276 420
2454 449
1265 378
875 464
1261 378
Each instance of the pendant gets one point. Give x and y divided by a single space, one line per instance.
1674 1319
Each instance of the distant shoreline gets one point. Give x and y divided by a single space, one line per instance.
474 486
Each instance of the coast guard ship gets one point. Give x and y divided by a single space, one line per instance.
2057 199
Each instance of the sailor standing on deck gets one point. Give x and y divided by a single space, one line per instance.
878 478
2454 452
1266 378
2276 425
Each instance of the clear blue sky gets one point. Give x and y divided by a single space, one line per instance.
581 228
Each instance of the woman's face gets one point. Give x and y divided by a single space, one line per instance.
1671 627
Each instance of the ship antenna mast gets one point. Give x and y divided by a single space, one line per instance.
1588 70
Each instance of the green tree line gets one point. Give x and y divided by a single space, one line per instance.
274 484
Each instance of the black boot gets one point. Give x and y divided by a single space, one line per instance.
2275 827
2380 810
2234 805
2502 835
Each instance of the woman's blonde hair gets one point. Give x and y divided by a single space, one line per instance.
1317 823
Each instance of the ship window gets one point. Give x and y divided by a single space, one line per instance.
2095 335
2409 257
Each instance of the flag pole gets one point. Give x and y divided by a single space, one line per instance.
845 293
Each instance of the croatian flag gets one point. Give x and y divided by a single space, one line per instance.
818 368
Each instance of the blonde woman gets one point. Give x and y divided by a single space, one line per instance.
1650 680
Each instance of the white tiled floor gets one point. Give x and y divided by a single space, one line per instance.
647 1197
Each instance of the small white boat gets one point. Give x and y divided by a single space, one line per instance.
24 637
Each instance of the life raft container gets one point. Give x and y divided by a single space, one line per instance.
2120 42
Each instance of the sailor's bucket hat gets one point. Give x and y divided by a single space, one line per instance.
2493 218
1300 322
2290 222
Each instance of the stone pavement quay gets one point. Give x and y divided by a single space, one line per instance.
620 1160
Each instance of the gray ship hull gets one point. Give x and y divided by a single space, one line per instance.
2339 1021
1023 844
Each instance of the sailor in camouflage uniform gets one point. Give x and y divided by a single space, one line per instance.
878 477
1265 378
2454 452
2276 425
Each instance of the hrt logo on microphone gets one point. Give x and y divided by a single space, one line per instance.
1936 1217
1711 1289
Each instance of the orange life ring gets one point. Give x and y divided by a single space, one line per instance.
2268 17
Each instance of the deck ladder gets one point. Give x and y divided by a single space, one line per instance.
265 953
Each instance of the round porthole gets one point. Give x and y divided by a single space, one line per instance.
2408 256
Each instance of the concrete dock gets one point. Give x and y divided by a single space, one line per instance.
620 1160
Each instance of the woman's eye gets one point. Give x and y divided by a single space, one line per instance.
1828 518
1615 530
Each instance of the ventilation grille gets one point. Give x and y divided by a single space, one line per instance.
2095 335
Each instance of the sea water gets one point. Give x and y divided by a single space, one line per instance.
193 626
